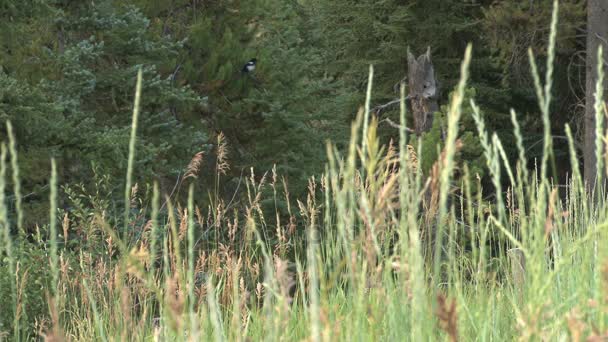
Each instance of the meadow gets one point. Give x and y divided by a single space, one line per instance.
376 251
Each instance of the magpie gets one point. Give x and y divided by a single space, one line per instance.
250 66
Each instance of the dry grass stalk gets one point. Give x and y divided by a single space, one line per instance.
126 307
233 227
255 270
282 246
175 299
64 268
110 245
222 165
385 198
412 159
209 219
200 219
575 325
435 174
137 261
448 317
56 333
200 277
285 279
368 244
385 203
194 166
20 285
431 194
259 294
183 225
518 270
134 195
148 226
65 225
215 263
286 193
245 294
598 337
201 264
219 213
291 228
549 225
530 323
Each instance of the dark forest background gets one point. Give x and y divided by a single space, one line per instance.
68 71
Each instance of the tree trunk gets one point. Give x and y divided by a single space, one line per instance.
597 33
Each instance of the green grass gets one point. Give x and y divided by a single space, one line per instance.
388 253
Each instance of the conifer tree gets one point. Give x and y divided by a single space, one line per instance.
73 101
270 116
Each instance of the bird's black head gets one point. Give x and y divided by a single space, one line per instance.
253 60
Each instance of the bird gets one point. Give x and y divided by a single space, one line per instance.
249 66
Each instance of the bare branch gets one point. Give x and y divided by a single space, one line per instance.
396 125
177 185
379 109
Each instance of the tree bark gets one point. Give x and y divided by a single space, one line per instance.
423 91
597 34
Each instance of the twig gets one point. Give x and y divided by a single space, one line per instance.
174 75
601 38
557 137
14 198
396 125
398 84
237 189
380 108
178 182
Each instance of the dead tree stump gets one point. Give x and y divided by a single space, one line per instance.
423 91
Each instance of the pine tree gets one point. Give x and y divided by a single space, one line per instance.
76 104
270 116
510 28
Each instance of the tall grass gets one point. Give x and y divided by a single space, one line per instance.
8 245
361 271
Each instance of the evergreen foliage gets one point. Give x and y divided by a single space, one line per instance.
68 73
79 112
